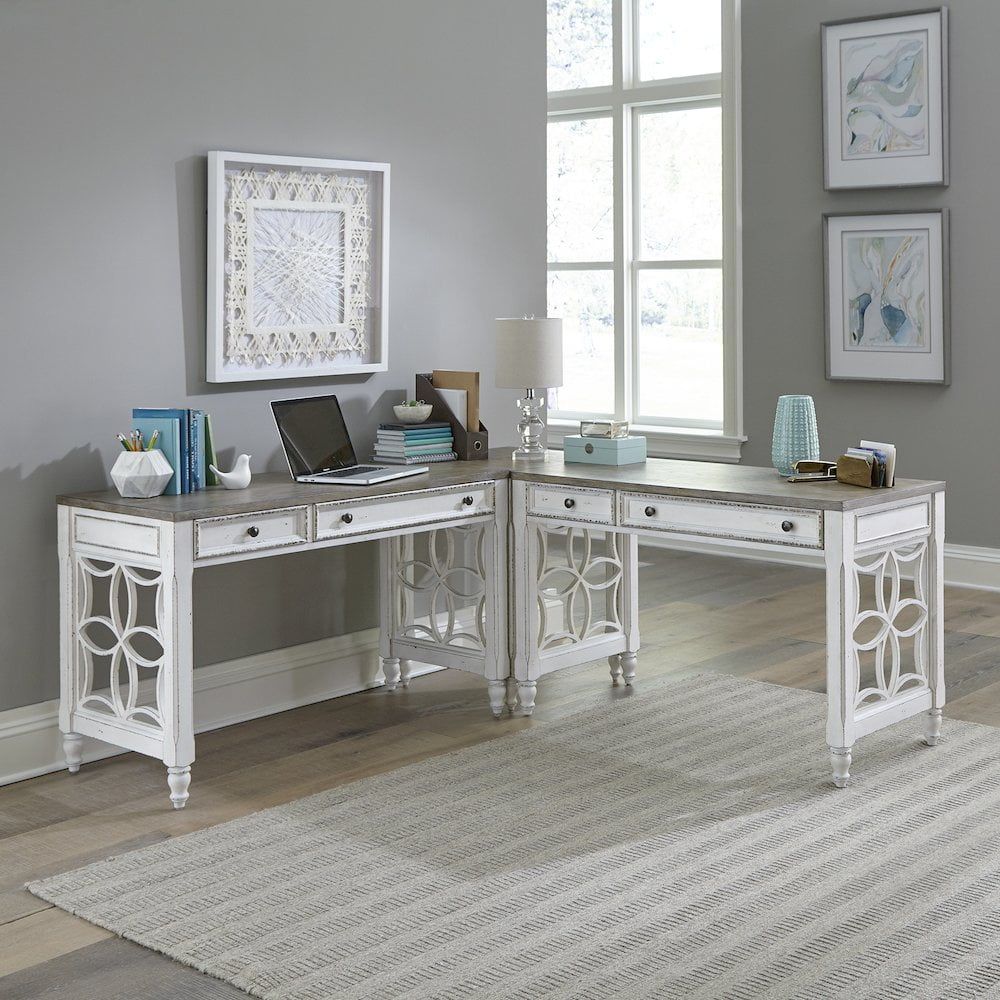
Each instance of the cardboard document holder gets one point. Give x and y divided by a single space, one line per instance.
469 445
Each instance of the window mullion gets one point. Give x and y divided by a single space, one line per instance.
622 351
621 24
631 246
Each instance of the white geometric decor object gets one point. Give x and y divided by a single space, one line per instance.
141 473
297 267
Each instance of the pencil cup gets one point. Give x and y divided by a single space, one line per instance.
141 473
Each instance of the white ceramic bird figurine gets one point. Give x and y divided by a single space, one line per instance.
238 478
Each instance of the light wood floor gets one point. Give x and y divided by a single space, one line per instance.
699 613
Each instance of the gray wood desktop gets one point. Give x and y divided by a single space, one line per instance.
526 569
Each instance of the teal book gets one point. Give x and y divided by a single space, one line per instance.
169 442
198 449
414 439
188 485
415 429
181 461
426 449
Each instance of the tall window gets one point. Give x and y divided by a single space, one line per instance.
643 218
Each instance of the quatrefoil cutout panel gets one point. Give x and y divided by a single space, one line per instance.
579 575
442 587
890 624
119 640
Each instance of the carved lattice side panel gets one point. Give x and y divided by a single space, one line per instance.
579 575
119 611
890 623
440 587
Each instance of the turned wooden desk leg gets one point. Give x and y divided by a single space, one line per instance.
615 667
525 604
496 625
73 751
497 691
623 665
68 677
387 614
177 681
934 589
630 606
841 656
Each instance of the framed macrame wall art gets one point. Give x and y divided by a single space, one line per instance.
297 267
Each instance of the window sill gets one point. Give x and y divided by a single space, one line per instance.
662 442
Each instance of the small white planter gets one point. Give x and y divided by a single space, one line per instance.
412 414
141 473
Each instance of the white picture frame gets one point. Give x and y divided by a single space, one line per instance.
298 252
885 101
887 297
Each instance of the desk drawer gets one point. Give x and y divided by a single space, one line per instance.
803 528
570 503
342 518
267 529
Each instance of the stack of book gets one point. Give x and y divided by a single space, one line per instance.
414 444
185 438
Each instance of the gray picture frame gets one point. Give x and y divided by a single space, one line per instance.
893 172
940 348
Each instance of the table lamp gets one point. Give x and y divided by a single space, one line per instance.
529 357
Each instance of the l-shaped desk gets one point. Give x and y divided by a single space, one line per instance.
504 569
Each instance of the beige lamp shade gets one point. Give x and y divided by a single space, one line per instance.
529 353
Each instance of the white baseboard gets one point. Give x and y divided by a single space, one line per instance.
964 565
226 693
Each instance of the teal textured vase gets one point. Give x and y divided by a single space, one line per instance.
796 436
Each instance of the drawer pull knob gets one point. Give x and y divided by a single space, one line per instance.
347 518
787 525
650 512
468 501
253 531
569 503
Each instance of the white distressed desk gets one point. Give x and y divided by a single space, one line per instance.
126 569
575 541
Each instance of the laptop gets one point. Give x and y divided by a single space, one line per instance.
318 448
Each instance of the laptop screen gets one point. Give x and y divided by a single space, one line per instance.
313 434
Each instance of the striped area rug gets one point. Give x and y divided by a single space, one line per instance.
682 842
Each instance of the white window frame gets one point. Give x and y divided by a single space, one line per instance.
624 100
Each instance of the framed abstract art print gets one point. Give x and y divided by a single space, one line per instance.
297 267
885 101
887 308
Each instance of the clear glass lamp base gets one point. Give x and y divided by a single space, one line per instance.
530 427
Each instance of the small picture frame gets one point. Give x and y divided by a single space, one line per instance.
298 253
885 101
887 297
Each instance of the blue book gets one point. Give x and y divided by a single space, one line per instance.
181 461
169 442
444 432
424 449
198 449
188 453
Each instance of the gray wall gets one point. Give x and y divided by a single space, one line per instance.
108 109
942 432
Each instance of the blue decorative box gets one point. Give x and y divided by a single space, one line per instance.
604 451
